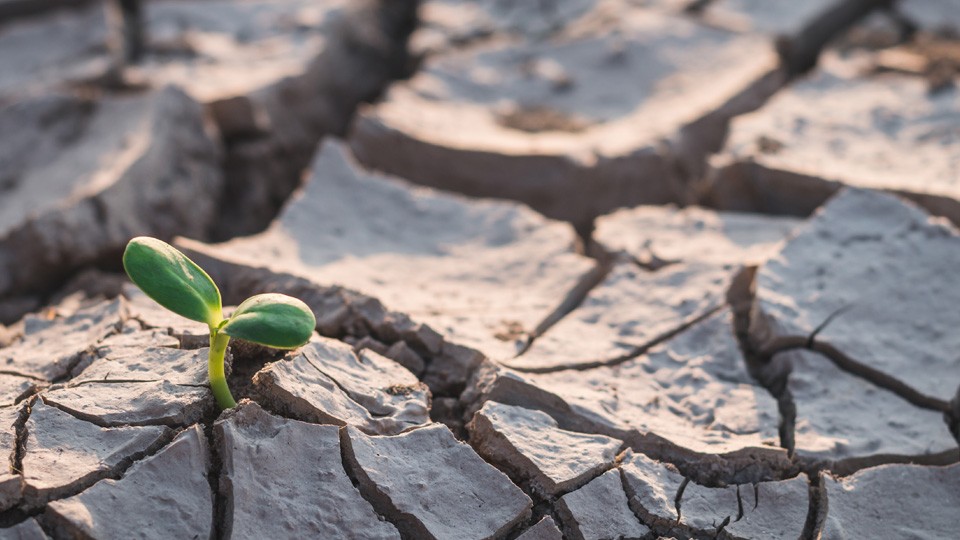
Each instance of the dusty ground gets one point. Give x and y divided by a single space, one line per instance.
582 269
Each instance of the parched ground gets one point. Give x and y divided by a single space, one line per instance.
582 269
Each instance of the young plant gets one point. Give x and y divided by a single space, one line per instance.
178 284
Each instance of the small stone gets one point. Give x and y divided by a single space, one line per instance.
49 350
434 487
368 342
63 455
545 529
326 382
528 445
164 496
261 452
891 501
599 511
402 354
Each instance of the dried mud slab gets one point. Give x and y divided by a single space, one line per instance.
689 401
51 49
63 455
432 486
138 378
327 382
51 348
892 501
838 128
164 496
483 274
678 267
548 124
529 446
600 510
282 475
152 315
26 530
884 270
846 423
118 166
662 236
214 50
11 481
545 529
774 510
14 388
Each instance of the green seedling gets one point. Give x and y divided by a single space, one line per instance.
178 284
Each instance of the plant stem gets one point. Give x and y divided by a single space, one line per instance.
218 380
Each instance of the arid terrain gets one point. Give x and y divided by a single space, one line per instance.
581 269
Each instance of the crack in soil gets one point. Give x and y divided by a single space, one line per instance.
639 351
378 501
574 297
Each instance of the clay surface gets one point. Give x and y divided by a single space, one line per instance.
326 382
267 459
792 154
433 486
863 250
599 510
483 274
164 496
914 502
529 444
521 120
691 395
64 455
82 175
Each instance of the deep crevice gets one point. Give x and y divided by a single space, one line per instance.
812 526
377 501
220 527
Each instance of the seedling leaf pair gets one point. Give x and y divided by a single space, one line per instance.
178 284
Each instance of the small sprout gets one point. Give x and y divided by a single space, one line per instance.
178 284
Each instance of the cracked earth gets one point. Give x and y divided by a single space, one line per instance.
581 269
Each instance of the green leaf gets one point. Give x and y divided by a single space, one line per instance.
274 320
172 280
